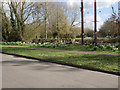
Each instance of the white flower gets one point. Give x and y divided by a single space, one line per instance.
23 42
116 48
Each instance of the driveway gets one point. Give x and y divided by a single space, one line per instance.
27 73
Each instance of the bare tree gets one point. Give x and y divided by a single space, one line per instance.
20 13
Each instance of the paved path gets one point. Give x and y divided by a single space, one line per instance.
27 73
82 52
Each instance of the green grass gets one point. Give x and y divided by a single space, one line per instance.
103 62
72 47
75 47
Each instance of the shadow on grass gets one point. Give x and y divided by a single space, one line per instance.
105 62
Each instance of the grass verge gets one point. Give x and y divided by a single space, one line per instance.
82 48
103 62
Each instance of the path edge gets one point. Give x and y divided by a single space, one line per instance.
67 64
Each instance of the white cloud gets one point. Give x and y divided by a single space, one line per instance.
77 24
89 21
100 4
89 4
105 4
5 6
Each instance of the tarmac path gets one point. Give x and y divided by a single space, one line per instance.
20 72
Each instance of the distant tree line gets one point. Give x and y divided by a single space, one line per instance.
28 20
24 21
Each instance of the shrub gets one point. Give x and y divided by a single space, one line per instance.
95 48
103 40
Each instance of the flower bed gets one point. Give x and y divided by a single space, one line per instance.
91 47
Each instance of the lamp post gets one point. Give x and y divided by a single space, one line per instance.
95 23
82 23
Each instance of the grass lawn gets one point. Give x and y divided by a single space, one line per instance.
72 47
104 62
115 49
